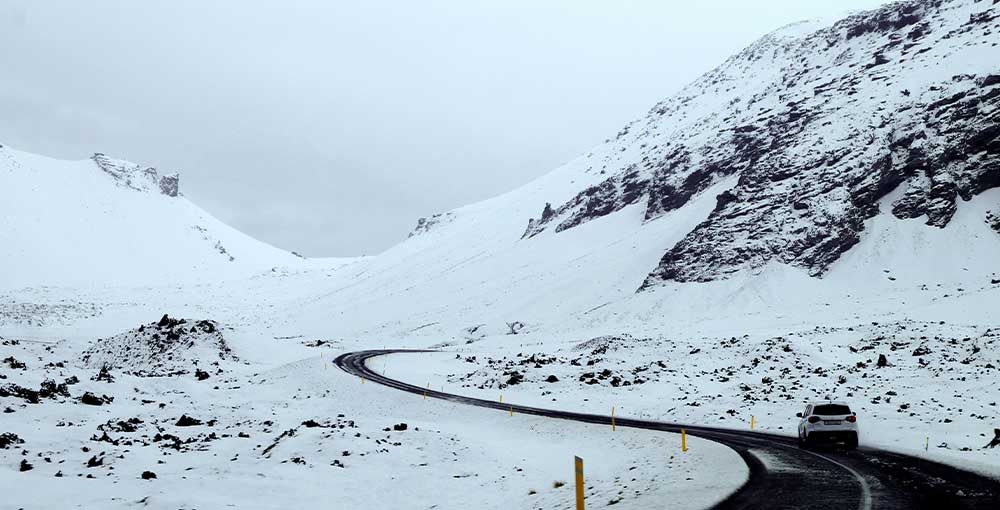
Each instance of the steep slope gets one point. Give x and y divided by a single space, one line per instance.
110 222
818 123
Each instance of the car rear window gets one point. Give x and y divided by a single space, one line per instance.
831 410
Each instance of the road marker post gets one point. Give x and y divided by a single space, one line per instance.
578 468
684 440
927 443
425 391
501 398
512 410
612 418
752 422
362 379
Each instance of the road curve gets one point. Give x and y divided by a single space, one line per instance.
782 476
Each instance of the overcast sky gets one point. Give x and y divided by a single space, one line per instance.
328 127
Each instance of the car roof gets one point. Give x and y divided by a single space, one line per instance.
828 402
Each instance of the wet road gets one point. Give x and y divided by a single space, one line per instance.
782 476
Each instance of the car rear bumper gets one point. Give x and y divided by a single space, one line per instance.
832 436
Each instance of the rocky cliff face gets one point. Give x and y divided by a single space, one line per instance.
816 125
132 176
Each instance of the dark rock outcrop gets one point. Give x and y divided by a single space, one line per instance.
93 400
8 439
135 177
187 421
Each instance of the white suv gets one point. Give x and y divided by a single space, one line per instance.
832 422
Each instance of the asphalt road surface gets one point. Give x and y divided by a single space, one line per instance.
863 479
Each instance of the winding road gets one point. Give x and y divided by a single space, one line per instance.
782 476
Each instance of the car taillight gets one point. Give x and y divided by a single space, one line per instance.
852 419
813 419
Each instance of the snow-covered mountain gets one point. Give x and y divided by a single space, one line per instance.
110 222
835 162
816 125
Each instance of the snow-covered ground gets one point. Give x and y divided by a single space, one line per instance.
305 434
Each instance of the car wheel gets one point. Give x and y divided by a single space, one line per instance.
852 442
803 441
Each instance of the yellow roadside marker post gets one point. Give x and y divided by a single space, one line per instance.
751 422
362 379
512 410
578 466
501 398
612 418
684 441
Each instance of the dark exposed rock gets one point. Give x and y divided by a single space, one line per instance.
200 374
25 466
515 378
170 185
425 225
49 390
515 327
14 390
993 220
14 364
9 438
93 400
399 427
187 421
95 461
129 425
104 438
132 176
886 20
882 361
166 322
103 375
552 379
996 439
148 475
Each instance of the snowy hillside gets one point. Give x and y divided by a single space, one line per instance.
110 222
817 124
